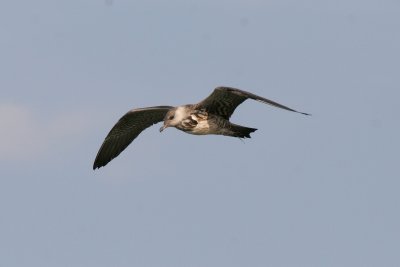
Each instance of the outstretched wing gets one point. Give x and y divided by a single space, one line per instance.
126 130
224 100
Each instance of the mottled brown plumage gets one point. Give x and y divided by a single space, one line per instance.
210 116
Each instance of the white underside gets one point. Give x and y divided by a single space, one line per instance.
201 128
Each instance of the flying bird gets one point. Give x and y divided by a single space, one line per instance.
210 116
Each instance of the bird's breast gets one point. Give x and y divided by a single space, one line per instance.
196 123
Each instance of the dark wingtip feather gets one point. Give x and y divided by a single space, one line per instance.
101 162
96 165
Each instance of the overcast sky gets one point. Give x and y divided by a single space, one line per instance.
304 191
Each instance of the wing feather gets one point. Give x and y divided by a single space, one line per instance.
224 100
126 130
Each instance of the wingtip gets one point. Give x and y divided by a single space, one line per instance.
307 114
96 166
100 161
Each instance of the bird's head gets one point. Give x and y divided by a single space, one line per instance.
173 118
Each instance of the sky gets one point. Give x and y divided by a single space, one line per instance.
318 190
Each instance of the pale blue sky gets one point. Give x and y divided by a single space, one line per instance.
304 191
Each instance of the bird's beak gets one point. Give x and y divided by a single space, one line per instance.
163 127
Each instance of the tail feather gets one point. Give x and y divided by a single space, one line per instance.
240 131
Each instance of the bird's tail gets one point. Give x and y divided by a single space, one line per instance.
240 131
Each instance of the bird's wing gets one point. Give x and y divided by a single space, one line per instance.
126 130
224 100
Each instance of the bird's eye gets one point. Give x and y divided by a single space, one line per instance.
171 117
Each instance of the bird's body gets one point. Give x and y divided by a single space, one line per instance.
199 122
210 116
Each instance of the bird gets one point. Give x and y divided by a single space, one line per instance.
210 116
